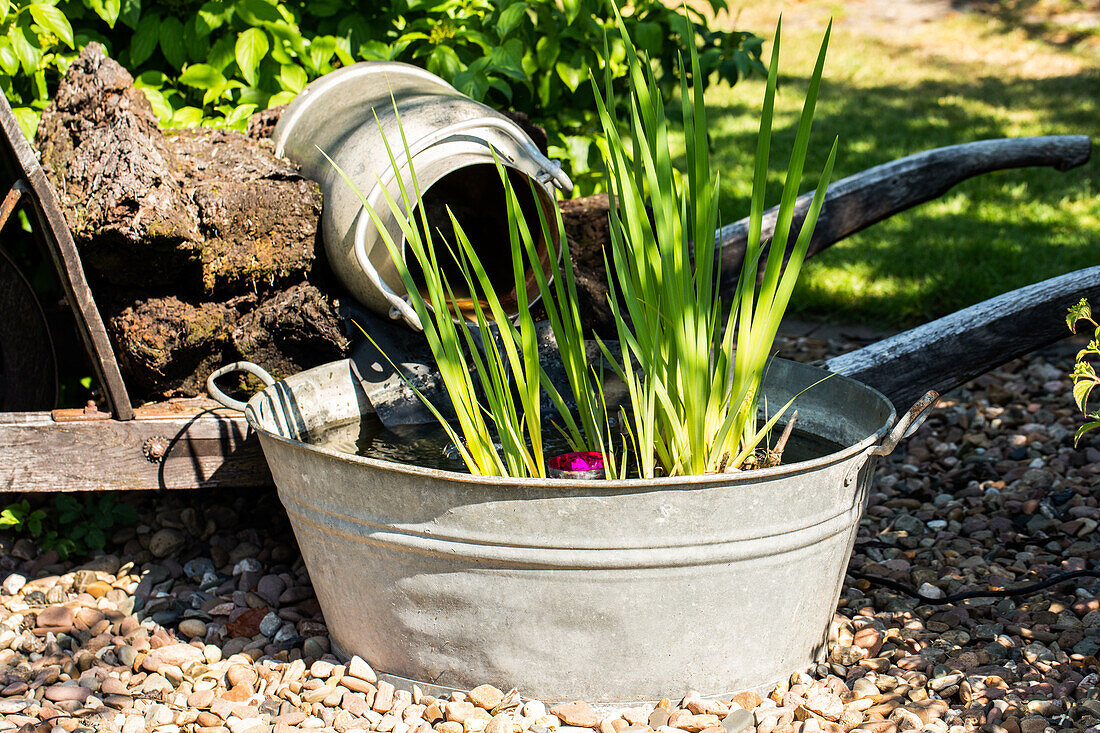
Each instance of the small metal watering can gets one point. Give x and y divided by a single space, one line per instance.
352 113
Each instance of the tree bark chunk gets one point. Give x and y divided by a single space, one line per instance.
588 230
166 346
198 243
120 185
293 330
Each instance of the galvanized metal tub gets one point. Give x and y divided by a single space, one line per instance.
353 113
609 591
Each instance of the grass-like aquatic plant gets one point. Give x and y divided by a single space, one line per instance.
472 362
692 368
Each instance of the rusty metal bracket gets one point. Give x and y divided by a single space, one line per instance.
88 413
11 200
155 448
22 175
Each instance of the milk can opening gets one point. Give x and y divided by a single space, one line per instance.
475 195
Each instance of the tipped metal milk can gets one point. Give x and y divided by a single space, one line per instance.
351 113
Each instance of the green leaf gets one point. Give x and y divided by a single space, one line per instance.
252 46
213 14
507 59
222 53
1080 311
96 538
649 37
9 519
376 51
9 61
572 9
125 514
146 79
239 117
510 17
1081 390
444 62
170 34
27 118
321 50
1084 429
472 82
280 98
144 40
326 8
546 51
53 20
570 75
292 78
67 508
27 51
212 95
5 8
186 117
34 522
196 43
257 12
108 10
202 76
130 13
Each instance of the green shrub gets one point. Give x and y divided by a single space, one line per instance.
67 524
215 63
1084 372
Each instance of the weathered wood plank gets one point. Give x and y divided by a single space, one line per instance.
945 353
860 200
19 163
204 450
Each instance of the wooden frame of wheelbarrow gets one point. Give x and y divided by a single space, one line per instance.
194 443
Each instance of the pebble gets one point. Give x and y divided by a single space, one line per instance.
13 583
192 628
58 619
177 655
987 494
486 696
270 624
166 542
578 713
737 721
62 693
359 669
534 709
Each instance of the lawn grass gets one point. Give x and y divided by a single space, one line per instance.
891 91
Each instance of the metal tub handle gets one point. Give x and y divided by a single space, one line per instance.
238 366
907 424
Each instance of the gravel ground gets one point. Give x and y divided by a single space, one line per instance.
202 618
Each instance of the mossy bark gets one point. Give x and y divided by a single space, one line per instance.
199 244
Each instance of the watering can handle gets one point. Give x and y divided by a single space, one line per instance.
908 423
238 366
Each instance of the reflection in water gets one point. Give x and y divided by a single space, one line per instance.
428 446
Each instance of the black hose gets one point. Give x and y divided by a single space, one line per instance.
956 597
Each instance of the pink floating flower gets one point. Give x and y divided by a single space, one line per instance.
577 462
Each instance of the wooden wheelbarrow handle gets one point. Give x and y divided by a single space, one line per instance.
858 201
949 351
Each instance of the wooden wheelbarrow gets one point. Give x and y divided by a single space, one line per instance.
194 443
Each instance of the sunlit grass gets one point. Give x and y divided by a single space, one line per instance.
956 79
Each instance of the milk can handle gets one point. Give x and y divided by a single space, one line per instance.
238 366
908 423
